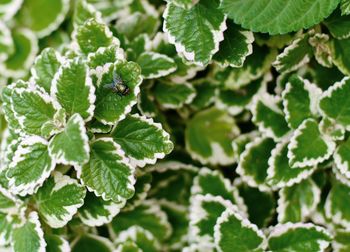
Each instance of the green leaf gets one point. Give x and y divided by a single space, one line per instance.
298 237
59 199
334 103
142 187
93 243
336 206
236 101
345 7
23 55
6 42
155 65
45 67
103 56
29 235
84 11
6 229
92 35
32 109
8 202
209 135
204 212
298 202
8 8
205 94
277 16
269 117
96 211
338 25
234 233
300 100
259 214
112 107
128 246
72 88
173 96
41 16
279 173
148 215
253 163
144 239
70 147
212 182
56 243
108 172
142 140
171 176
195 32
340 54
235 48
332 128
184 3
30 167
341 241
308 146
294 56
342 158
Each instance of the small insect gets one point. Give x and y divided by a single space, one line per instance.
118 86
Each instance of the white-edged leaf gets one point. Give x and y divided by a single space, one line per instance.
300 100
195 32
143 238
8 8
42 17
59 199
70 147
6 228
23 55
298 237
297 54
30 166
204 212
297 203
268 116
8 203
173 96
235 48
253 163
96 211
103 56
279 173
32 109
342 158
155 65
92 35
29 236
72 87
308 147
108 172
148 215
336 205
56 243
340 55
111 106
83 11
345 7
334 103
234 233
213 182
142 140
6 42
209 135
45 67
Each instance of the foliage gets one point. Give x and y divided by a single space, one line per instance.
246 101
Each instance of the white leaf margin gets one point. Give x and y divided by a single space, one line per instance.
124 160
32 187
159 73
306 211
311 161
245 223
281 229
271 171
60 182
218 36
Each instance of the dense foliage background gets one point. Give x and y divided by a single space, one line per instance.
177 125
